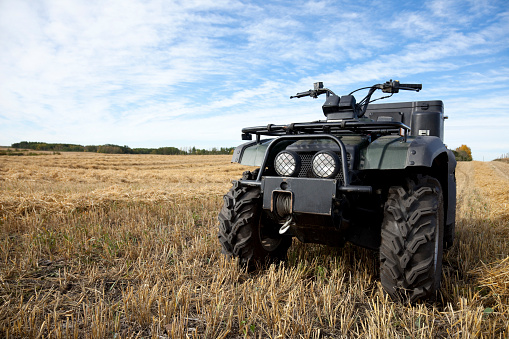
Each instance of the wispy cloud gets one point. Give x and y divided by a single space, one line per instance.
156 73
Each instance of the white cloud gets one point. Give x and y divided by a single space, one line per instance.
153 73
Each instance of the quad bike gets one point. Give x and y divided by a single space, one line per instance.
376 175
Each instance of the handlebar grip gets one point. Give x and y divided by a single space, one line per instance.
417 87
301 94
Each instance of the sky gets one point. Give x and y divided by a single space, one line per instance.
154 73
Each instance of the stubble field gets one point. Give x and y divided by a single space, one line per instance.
117 246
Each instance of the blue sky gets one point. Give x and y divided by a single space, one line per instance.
158 73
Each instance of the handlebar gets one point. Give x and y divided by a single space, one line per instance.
393 86
314 93
302 94
412 87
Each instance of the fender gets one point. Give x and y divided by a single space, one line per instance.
393 152
252 153
451 184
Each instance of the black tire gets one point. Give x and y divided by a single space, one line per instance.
245 234
412 240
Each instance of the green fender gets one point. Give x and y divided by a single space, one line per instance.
250 153
387 152
253 153
393 152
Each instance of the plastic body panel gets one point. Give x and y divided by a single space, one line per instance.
451 185
392 152
387 152
251 153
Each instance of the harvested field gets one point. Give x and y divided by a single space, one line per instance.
120 246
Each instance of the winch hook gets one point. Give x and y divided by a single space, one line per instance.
286 225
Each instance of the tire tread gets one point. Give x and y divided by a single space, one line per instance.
409 229
239 220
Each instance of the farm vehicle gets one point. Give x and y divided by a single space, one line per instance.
375 175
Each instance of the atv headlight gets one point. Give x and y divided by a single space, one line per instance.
326 164
287 163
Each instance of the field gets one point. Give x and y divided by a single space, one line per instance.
117 246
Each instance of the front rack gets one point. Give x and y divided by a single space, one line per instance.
323 127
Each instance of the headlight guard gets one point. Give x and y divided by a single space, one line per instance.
326 164
287 163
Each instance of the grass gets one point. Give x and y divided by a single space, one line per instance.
503 159
121 246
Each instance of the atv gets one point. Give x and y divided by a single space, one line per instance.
376 175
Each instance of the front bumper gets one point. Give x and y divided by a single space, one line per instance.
308 195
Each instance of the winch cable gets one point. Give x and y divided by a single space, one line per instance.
283 204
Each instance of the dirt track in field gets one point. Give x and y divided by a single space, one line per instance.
502 169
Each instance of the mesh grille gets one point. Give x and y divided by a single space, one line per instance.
306 167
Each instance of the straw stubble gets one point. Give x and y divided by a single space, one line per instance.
95 246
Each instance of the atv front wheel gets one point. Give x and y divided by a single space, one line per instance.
412 240
245 233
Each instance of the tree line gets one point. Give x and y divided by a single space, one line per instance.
116 149
462 153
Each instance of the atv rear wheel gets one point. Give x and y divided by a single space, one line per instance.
243 231
412 240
